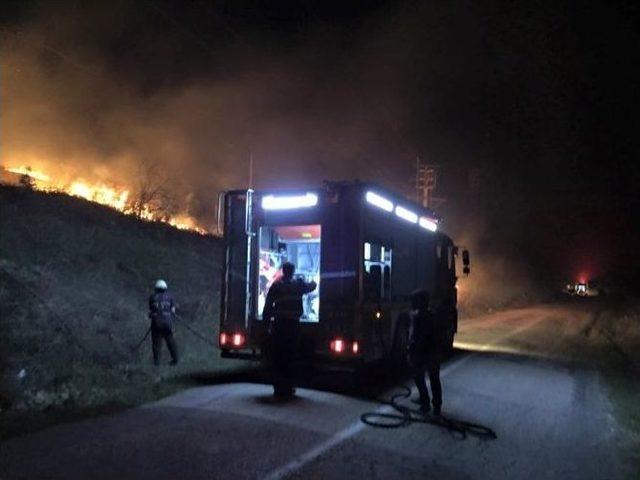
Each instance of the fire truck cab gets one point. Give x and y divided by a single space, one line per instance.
366 248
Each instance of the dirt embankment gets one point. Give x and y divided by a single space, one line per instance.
74 282
615 328
616 325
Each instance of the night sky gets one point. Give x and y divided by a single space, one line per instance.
528 109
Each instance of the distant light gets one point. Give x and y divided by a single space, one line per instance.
407 215
355 348
380 202
378 315
428 223
223 339
271 202
306 235
367 251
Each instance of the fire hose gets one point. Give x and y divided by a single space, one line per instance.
180 322
404 416
134 349
194 331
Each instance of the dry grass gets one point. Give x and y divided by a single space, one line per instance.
74 282
619 326
616 330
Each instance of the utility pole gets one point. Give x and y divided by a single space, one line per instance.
426 178
418 178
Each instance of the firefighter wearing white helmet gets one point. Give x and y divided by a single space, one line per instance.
162 309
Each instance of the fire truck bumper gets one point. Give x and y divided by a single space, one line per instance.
241 355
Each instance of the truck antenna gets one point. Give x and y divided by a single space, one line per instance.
250 169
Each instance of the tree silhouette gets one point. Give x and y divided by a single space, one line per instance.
152 197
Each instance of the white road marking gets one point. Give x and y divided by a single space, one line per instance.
352 430
357 426
321 448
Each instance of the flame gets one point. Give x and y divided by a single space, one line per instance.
31 173
185 222
108 195
100 194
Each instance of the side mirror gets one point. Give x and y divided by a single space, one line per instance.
465 262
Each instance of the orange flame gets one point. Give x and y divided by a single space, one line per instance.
111 196
39 176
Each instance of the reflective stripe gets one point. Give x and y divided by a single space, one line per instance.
342 274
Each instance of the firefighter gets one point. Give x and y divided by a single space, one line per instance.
284 305
447 315
427 345
162 309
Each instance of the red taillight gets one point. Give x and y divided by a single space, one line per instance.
232 340
337 345
238 340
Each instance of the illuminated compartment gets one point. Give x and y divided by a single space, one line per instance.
300 245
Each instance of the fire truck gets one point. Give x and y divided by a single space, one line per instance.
365 247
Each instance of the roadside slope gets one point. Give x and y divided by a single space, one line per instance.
74 283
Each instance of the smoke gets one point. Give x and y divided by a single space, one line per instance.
64 109
94 91
499 279
99 90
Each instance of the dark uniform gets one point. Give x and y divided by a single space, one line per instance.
447 319
284 305
428 341
161 311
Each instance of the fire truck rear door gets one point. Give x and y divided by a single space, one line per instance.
236 299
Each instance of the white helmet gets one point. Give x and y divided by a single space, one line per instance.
161 285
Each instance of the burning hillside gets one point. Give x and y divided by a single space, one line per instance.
148 202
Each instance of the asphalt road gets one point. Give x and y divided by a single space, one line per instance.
523 373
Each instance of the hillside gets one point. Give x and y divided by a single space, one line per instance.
74 282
